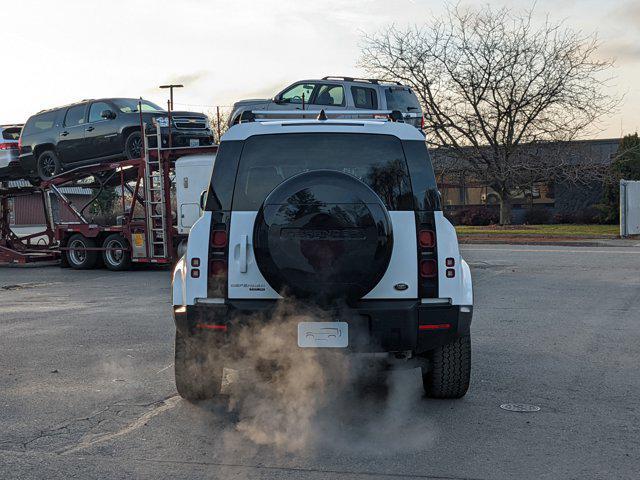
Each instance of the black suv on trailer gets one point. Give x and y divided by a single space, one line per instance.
102 130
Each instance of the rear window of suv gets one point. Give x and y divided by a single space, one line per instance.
41 122
401 99
11 133
268 160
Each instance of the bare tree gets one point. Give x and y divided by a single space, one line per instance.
493 86
219 121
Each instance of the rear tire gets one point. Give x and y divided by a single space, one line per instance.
449 370
133 146
116 260
198 373
48 165
77 255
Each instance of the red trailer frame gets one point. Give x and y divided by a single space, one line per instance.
151 176
21 250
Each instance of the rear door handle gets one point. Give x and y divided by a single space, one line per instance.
64 134
243 253
89 129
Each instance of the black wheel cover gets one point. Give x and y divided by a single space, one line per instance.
323 235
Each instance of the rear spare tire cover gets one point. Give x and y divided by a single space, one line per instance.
324 235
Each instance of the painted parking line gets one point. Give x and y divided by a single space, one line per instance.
165 368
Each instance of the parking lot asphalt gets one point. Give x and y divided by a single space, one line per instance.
87 391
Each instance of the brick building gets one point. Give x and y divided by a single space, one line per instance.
459 188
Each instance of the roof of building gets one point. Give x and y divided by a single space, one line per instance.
596 151
65 190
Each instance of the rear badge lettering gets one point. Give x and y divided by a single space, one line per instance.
401 286
252 287
322 234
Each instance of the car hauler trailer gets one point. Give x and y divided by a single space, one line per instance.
35 247
147 231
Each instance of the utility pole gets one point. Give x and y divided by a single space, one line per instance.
171 87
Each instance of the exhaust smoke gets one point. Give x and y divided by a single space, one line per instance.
298 399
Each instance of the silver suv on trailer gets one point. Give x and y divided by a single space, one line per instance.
344 216
9 152
339 93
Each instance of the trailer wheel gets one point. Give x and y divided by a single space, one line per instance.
133 146
116 260
48 165
77 254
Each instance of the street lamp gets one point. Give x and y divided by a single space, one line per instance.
171 87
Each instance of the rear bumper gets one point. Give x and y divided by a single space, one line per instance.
10 165
27 162
374 325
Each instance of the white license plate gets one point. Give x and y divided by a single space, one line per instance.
323 334
194 142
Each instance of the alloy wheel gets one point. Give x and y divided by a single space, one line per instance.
47 165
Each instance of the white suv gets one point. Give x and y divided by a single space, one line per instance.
340 214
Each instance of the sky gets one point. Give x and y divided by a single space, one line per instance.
61 51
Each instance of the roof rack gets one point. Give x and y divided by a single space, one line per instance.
362 80
375 115
275 113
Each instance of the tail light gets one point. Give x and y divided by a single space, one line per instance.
20 143
219 238
217 268
426 238
437 326
209 326
9 146
422 122
428 268
450 263
218 258
427 255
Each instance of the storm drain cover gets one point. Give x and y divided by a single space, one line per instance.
519 407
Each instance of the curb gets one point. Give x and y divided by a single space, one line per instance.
567 242
464 241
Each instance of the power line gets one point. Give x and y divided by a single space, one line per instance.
203 105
